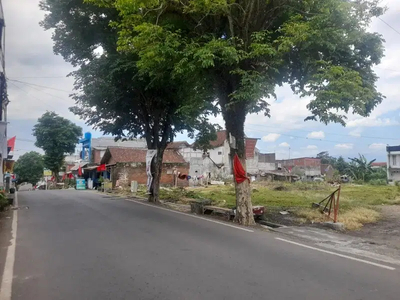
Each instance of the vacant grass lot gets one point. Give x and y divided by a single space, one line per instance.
359 204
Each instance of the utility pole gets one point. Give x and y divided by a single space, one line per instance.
3 98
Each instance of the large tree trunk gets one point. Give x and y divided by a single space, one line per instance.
235 117
156 170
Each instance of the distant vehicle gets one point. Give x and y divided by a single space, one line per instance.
25 186
318 179
40 186
345 178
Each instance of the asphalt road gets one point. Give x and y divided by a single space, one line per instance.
81 245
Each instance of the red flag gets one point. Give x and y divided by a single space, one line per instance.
101 168
63 178
80 171
11 143
238 171
70 176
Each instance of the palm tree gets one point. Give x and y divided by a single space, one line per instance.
360 168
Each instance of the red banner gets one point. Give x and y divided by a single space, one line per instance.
101 168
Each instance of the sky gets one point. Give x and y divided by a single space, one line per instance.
38 82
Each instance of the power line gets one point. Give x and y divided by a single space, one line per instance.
42 86
40 77
25 140
331 133
390 26
18 87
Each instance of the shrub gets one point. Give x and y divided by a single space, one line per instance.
378 182
3 201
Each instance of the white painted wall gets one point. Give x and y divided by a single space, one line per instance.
218 154
394 160
263 167
189 153
394 175
252 163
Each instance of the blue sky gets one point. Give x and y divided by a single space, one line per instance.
30 61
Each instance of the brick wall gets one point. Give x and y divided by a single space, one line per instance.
96 156
126 173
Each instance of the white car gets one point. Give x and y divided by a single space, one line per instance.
25 186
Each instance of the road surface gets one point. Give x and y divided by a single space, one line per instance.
83 245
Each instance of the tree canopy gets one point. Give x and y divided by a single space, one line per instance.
57 136
322 49
29 167
114 95
360 168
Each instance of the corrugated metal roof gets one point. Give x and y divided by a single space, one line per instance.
105 142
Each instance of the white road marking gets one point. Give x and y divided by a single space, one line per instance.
338 254
192 216
8 273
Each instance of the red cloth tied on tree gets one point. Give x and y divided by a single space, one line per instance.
238 170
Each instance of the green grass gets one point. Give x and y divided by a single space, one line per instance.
297 195
359 204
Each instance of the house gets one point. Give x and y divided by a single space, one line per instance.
305 167
327 171
100 145
393 163
379 165
216 163
129 164
266 162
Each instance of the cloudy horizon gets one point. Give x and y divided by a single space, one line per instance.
38 82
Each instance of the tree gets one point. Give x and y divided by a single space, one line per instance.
326 158
360 168
338 163
113 94
321 48
29 167
57 136
341 165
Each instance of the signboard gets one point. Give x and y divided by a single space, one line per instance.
81 184
86 147
47 173
149 158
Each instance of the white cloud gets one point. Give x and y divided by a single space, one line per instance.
272 137
372 122
377 146
316 135
344 146
284 145
356 132
312 147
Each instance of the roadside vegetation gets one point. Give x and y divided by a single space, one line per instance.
3 201
359 204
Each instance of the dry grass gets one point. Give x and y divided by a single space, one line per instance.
352 219
355 218
358 203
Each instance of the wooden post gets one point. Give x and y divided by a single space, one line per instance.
336 212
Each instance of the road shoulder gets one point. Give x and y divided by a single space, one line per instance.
6 219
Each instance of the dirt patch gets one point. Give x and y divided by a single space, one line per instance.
386 231
274 215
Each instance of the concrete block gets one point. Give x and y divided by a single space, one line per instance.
334 226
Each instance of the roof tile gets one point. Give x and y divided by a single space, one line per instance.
132 155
